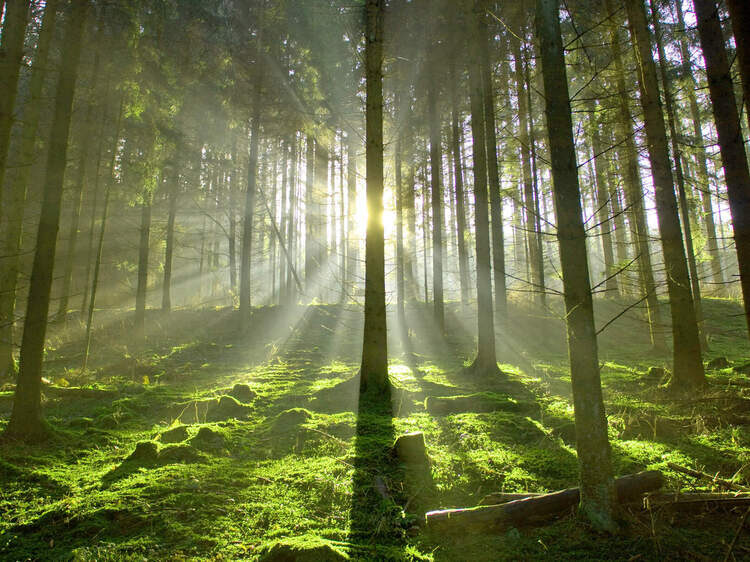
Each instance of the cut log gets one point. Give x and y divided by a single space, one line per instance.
518 512
410 449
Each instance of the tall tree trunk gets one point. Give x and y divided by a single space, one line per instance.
11 54
602 200
166 290
528 186
17 183
739 14
677 159
232 242
78 183
352 251
141 292
436 164
100 243
26 419
493 174
628 155
310 229
486 359
701 157
374 369
458 178
731 145
252 176
688 365
592 443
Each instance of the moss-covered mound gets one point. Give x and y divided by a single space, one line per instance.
307 548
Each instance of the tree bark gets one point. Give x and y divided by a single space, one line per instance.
486 359
731 145
252 176
166 291
17 183
634 197
26 419
597 493
143 255
463 257
436 163
677 159
493 175
528 186
11 54
739 14
701 158
374 369
688 364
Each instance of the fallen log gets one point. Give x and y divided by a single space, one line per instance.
703 476
517 512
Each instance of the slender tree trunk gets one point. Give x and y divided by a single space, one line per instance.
701 157
374 369
486 360
739 15
352 252
458 178
399 237
688 365
310 229
528 186
143 256
728 128
26 419
493 175
75 218
602 200
252 175
592 443
11 54
166 294
437 204
17 183
291 222
677 159
100 243
628 155
232 243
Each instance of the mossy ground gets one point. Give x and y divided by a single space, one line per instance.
299 460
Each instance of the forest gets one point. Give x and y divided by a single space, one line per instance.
409 280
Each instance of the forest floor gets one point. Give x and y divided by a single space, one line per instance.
203 443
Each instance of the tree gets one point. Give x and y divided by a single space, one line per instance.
687 361
739 14
592 443
374 369
486 360
731 143
26 419
17 184
11 53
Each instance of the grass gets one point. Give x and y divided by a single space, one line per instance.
302 467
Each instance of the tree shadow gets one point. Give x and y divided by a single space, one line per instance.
376 517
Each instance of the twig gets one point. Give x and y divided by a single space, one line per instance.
736 534
704 476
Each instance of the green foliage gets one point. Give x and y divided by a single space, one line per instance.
298 476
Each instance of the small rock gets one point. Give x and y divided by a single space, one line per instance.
174 435
718 363
243 393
